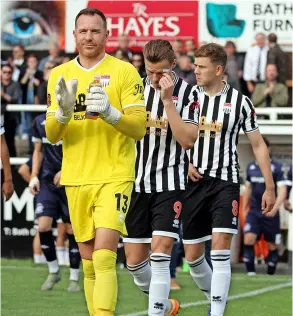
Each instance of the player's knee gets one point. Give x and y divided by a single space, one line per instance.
104 260
221 241
162 244
249 239
88 269
193 252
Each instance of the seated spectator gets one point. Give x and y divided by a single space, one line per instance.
41 97
10 94
278 57
234 66
190 49
54 56
123 45
138 63
122 55
270 93
185 70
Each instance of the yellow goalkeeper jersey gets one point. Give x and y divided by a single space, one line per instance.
94 152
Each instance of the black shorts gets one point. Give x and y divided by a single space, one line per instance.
155 213
52 202
210 205
259 224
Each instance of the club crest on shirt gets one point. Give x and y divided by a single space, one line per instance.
104 80
227 108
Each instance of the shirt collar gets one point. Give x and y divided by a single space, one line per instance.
223 91
175 79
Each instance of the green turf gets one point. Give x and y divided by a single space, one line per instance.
21 295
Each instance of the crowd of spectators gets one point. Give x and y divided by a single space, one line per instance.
261 74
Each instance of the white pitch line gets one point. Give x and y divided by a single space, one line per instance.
258 277
230 298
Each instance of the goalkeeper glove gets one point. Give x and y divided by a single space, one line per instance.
65 97
97 101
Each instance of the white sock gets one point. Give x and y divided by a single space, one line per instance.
74 274
160 284
220 281
53 266
142 275
66 257
60 253
201 273
43 259
39 259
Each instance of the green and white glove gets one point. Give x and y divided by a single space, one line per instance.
65 98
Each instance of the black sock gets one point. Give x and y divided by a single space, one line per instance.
272 261
48 245
249 258
74 255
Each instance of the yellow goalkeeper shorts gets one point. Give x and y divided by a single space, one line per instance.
98 206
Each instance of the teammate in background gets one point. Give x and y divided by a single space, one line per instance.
61 251
211 204
51 204
7 187
161 173
98 154
256 223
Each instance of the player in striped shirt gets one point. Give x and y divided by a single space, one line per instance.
212 197
161 173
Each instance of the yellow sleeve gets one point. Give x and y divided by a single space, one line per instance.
55 131
132 92
133 119
132 122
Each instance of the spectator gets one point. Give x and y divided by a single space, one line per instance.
65 59
278 57
255 63
271 93
41 97
17 61
185 70
10 94
234 66
30 78
138 63
123 44
122 55
54 56
178 47
190 49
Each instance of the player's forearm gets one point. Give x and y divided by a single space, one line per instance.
132 123
263 159
5 160
281 196
55 130
37 162
185 133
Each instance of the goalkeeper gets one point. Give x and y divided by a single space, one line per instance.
98 154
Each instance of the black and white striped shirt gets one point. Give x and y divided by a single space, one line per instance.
221 118
161 163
